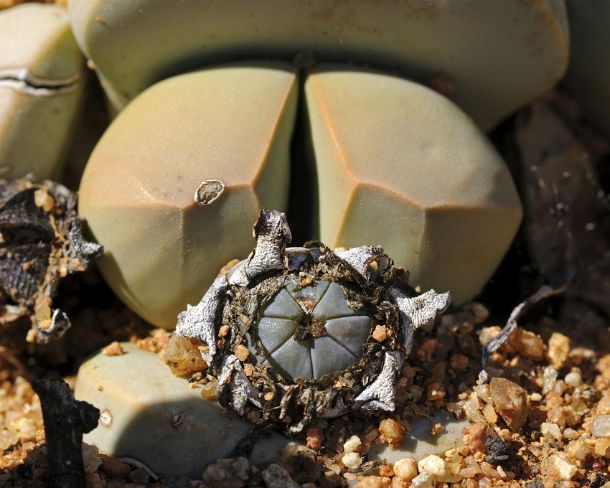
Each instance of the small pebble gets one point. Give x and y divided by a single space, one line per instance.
603 406
433 465
91 458
392 431
423 480
488 334
242 352
561 416
227 473
565 470
24 427
277 477
458 362
380 333
559 348
373 482
7 439
248 369
570 434
483 392
573 379
352 444
510 401
435 391
549 377
182 356
43 200
578 449
113 349
602 447
472 407
560 387
603 366
475 436
406 468
490 414
351 460
427 349
527 344
600 427
314 438
549 429
479 311
209 390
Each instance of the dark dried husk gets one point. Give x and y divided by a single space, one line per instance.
297 402
42 243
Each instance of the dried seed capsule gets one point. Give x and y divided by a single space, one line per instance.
40 89
589 69
173 186
306 314
149 414
401 166
497 55
311 331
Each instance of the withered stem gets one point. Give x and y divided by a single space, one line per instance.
65 422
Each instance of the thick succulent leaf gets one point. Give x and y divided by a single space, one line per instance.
400 166
492 56
41 86
231 125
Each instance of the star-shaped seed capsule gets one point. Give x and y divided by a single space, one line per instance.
311 331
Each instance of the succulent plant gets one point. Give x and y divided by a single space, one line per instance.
176 181
497 56
302 321
41 85
589 69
